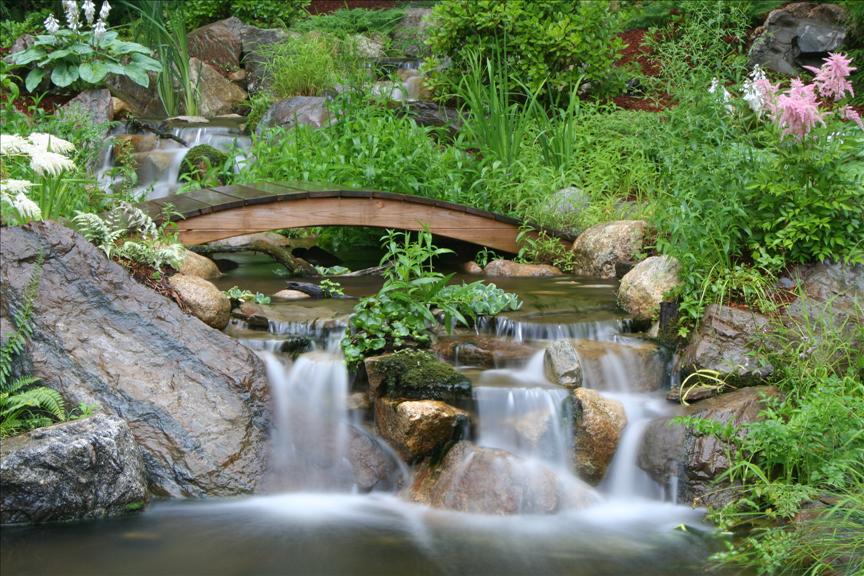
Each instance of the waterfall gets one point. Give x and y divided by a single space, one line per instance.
521 331
311 422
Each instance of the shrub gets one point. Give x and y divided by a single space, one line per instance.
266 13
348 21
551 42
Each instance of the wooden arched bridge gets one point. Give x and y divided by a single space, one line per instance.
216 213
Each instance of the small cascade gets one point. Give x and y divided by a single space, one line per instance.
325 334
521 331
159 168
529 422
312 425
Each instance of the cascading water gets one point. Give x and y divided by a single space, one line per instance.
158 168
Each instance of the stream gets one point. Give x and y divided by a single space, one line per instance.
315 522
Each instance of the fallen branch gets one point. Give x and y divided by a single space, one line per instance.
295 266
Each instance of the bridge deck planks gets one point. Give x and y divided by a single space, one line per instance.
215 213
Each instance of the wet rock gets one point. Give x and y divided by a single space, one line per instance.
604 363
642 288
510 269
489 481
307 110
216 94
484 351
418 428
690 394
200 266
205 301
375 468
672 450
96 104
799 34
120 108
562 365
411 32
195 400
599 248
417 88
290 295
472 267
143 102
358 401
597 426
89 468
415 374
138 143
431 114
153 163
219 44
199 160
727 341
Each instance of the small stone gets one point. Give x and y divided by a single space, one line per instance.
510 269
200 266
642 289
205 301
597 426
290 295
472 267
562 365
418 428
599 248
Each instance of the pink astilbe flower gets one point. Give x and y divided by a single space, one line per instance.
832 79
767 94
798 111
849 113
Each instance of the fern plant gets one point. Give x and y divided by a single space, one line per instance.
23 405
151 244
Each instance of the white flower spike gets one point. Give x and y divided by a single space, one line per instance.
14 144
15 186
26 207
50 143
89 9
49 163
104 10
52 26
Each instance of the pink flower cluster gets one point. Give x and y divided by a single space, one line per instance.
797 111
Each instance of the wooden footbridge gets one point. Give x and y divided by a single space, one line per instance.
216 213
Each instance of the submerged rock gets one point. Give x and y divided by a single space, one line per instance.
642 288
89 468
415 374
510 269
562 364
194 398
205 301
484 351
600 248
374 467
597 426
673 450
727 341
641 364
490 481
418 428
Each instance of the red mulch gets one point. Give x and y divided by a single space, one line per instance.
637 53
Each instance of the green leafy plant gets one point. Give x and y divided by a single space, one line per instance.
349 21
484 256
413 298
545 42
127 233
332 270
541 247
330 288
266 13
23 405
235 293
72 54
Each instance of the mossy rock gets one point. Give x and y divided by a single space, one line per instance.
416 375
199 160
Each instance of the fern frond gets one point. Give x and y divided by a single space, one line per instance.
14 344
41 398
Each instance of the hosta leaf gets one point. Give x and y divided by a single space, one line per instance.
64 75
28 56
34 78
58 54
147 63
137 75
81 49
92 72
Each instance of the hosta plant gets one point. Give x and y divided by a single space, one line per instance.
72 54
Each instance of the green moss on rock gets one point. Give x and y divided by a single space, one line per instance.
199 161
415 374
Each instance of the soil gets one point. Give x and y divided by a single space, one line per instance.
637 54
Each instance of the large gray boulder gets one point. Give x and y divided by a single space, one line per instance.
141 101
88 468
195 399
600 248
799 34
219 44
671 450
727 341
96 104
834 288
216 94
307 110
